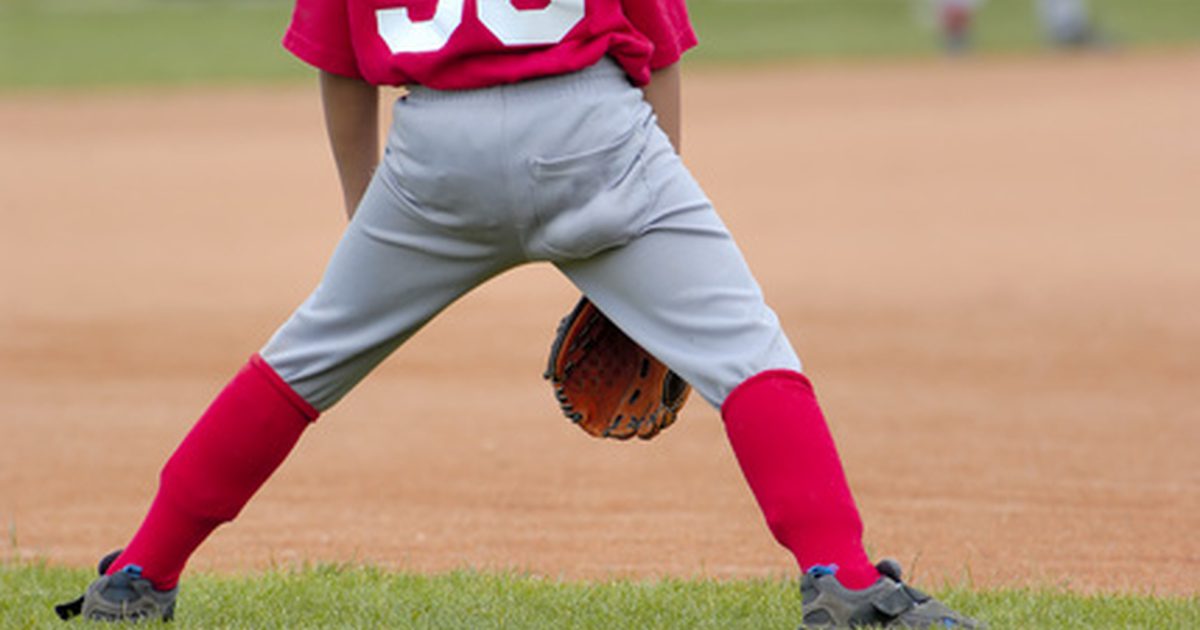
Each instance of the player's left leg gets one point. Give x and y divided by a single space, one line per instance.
399 263
239 440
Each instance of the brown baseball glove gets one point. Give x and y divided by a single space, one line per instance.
606 383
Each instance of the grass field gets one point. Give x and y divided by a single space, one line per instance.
122 42
355 597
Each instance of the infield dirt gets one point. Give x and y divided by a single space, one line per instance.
990 269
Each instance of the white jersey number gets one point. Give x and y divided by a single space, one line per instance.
512 26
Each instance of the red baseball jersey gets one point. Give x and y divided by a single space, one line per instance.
463 44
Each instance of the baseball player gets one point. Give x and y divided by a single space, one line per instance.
532 130
1068 23
955 19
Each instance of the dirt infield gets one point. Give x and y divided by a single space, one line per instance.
990 269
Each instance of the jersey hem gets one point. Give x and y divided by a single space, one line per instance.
661 58
321 57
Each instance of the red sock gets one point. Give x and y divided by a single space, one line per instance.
783 445
240 440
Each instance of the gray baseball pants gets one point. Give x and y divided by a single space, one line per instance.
572 170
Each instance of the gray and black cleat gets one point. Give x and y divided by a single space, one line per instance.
124 596
888 603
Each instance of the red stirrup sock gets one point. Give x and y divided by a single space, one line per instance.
234 447
787 454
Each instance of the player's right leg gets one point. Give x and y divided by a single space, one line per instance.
672 278
682 289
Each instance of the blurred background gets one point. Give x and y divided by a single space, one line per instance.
107 42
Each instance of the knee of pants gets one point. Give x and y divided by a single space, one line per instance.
718 377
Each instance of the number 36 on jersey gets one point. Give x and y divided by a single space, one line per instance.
511 25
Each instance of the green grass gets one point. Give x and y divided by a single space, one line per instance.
124 42
357 597
741 30
107 42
